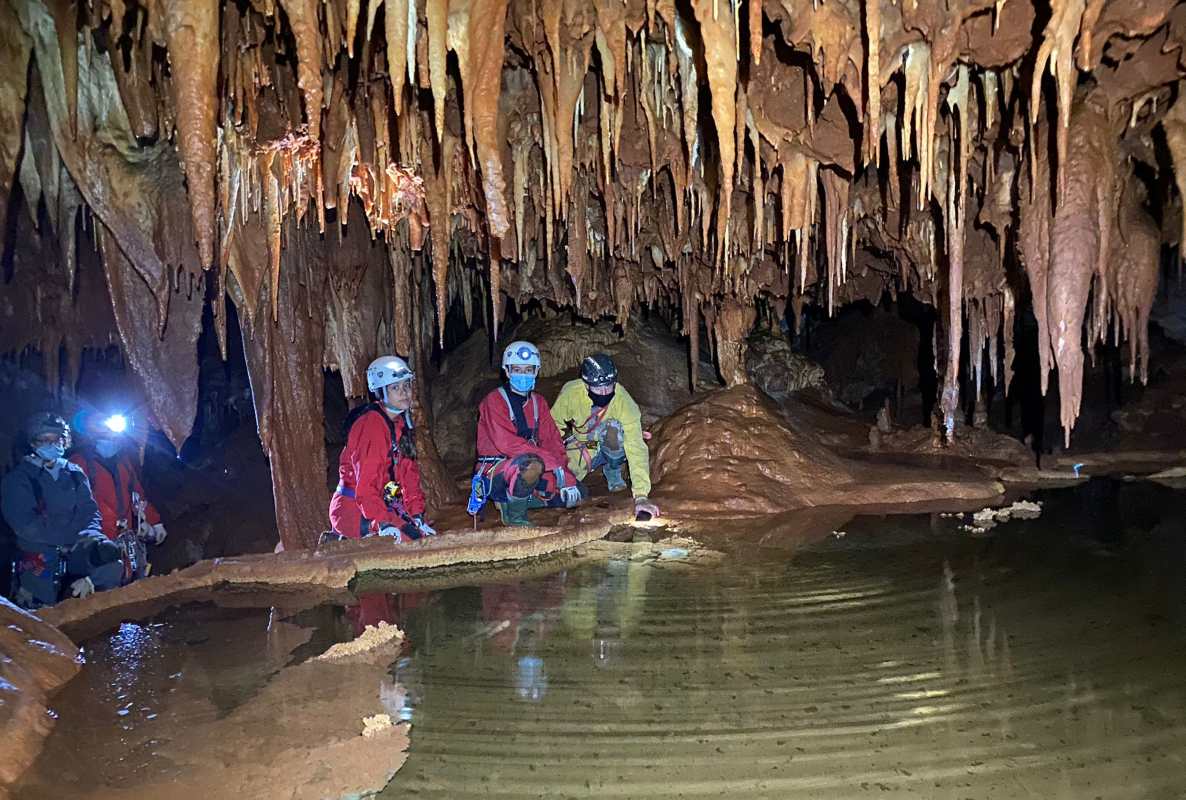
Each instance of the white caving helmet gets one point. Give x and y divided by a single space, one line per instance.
521 354
386 371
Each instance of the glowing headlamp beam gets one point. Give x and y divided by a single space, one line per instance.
116 423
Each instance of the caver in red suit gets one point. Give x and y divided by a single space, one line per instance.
113 480
378 476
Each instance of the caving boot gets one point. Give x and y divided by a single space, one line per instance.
514 512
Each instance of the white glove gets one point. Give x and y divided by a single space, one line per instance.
571 496
423 526
157 533
391 531
82 587
644 506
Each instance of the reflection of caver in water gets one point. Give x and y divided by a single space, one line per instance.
521 458
48 504
602 428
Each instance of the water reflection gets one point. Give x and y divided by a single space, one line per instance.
905 659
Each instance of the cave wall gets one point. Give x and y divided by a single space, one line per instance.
345 170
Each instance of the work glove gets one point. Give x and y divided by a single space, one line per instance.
152 533
644 509
392 532
423 527
82 588
559 473
571 495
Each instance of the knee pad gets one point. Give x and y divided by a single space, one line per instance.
612 438
523 473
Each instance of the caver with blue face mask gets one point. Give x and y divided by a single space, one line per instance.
521 459
48 504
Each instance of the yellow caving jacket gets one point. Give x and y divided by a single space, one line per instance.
573 403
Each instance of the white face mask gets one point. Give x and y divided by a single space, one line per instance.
106 448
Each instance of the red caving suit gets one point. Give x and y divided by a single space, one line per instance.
364 468
498 436
113 489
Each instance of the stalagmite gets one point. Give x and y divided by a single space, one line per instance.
303 20
191 27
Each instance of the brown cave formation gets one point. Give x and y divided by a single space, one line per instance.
712 160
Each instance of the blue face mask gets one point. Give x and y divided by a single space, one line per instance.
522 383
50 452
106 448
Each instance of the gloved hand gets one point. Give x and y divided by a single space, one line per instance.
153 533
82 587
644 509
389 530
571 496
559 473
423 526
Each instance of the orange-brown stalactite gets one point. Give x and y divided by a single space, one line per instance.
720 55
754 8
399 60
306 31
872 151
191 27
437 12
439 202
483 87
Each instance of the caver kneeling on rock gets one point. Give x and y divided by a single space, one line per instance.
521 459
602 428
379 489
48 504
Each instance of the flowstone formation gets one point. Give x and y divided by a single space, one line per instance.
346 172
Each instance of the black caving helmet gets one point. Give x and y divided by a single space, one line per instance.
599 370
45 422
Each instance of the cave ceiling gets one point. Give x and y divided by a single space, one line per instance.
345 170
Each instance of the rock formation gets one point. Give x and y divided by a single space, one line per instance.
344 174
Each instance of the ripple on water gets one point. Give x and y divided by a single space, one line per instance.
904 660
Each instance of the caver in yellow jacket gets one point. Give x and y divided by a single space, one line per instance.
573 403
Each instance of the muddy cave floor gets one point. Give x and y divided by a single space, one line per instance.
895 655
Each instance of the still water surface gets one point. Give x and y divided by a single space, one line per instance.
905 658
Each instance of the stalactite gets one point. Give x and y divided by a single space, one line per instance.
873 81
438 42
484 84
720 55
1057 51
192 32
303 20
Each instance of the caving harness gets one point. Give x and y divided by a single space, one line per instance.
134 552
590 428
488 466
